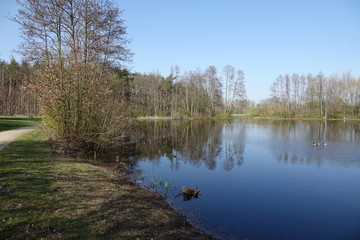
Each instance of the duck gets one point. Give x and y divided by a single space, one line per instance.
324 144
315 144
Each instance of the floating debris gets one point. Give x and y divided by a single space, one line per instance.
189 193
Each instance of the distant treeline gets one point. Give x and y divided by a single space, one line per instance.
15 97
312 96
194 94
199 93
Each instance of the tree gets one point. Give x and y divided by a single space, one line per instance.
195 93
214 89
320 91
76 43
175 72
229 72
238 93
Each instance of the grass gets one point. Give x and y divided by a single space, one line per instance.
292 118
9 123
238 115
45 195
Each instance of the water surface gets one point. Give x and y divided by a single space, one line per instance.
259 179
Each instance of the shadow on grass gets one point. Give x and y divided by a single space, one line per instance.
9 123
49 196
25 171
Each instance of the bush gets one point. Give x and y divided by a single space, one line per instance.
184 113
83 108
222 115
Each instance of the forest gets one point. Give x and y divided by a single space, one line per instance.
199 93
194 94
308 96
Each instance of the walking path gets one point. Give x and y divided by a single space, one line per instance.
7 137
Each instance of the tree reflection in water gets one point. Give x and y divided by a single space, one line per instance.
291 142
195 142
220 144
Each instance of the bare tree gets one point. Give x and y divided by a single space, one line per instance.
238 93
76 42
229 74
213 89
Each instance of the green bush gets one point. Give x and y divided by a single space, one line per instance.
184 112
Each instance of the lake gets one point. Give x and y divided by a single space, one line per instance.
259 179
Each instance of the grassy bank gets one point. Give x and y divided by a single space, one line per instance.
45 195
9 123
236 116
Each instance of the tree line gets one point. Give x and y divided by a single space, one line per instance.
194 94
15 98
319 96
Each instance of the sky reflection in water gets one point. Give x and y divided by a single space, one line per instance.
259 180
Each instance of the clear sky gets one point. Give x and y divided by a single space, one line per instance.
263 38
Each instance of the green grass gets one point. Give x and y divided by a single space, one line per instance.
292 118
238 115
9 123
45 195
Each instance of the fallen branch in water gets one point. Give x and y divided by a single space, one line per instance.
189 193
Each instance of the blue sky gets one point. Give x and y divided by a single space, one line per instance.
262 38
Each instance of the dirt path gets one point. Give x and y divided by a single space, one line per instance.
7 137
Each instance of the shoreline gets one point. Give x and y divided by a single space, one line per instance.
64 197
246 117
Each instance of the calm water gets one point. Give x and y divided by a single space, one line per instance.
259 179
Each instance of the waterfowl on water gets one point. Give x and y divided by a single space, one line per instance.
316 144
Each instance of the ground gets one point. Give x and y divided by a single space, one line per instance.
7 137
46 195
